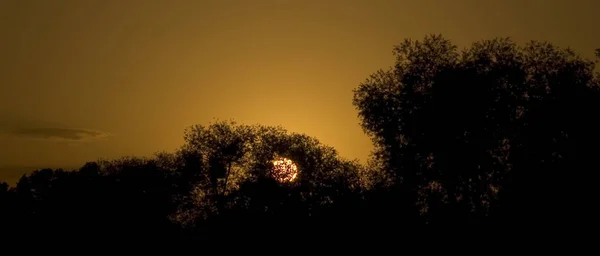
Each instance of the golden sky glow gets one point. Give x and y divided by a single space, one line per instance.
143 70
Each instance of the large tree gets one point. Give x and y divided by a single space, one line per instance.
487 130
230 166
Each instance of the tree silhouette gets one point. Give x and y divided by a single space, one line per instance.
466 132
226 170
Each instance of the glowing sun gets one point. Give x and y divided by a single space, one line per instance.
284 170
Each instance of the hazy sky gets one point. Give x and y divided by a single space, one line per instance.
88 79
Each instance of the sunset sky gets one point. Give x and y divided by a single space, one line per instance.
88 79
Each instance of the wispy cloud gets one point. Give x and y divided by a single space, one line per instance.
60 134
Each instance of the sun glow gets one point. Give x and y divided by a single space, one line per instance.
284 170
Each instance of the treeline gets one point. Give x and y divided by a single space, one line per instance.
222 175
485 136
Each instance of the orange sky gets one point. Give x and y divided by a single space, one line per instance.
137 72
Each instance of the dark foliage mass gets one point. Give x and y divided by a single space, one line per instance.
477 137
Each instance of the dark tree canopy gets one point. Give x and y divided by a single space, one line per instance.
227 168
467 131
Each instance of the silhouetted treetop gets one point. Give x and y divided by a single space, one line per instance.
462 130
224 159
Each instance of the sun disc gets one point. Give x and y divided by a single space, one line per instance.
284 170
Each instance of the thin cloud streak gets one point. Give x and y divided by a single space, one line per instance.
60 134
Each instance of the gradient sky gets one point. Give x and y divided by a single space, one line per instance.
88 79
